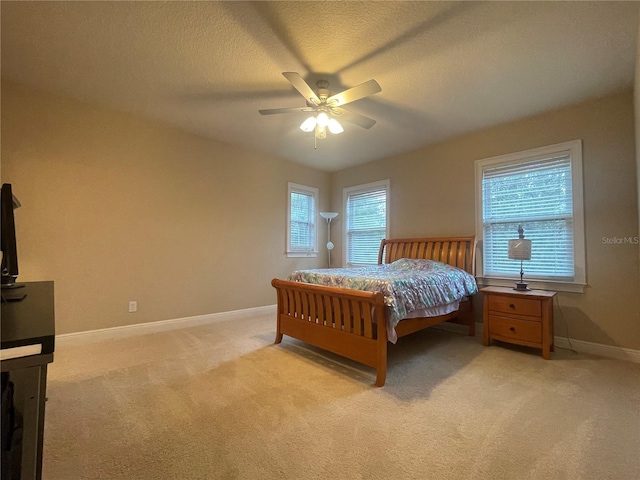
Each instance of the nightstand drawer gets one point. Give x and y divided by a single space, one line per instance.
516 329
517 306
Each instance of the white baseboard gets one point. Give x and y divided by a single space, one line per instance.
599 349
90 336
81 338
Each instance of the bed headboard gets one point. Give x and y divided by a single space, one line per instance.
456 251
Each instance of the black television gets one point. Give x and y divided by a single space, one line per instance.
8 203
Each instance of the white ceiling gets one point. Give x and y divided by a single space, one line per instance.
445 67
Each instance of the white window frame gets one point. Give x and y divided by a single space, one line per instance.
574 150
345 198
312 250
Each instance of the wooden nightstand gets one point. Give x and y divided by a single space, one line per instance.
520 317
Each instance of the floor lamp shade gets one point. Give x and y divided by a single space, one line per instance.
328 215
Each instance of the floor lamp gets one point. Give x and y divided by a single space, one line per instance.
328 216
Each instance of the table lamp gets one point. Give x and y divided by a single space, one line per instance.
520 249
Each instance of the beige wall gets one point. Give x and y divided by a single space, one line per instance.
636 101
432 193
116 208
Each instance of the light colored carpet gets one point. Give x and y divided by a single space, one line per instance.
220 401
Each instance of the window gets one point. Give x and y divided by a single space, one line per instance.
541 190
302 239
366 221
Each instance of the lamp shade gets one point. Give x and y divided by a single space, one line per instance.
328 215
520 249
323 119
334 126
308 125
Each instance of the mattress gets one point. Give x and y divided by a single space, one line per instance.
411 288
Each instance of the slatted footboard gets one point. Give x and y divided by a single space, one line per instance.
353 323
350 323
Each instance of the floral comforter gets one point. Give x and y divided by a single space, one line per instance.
407 284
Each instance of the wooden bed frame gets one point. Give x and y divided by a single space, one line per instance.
353 323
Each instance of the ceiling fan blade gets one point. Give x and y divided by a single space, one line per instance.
355 118
303 87
274 111
356 93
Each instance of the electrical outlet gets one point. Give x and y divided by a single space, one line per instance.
133 306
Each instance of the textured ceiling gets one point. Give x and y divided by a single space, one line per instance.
445 68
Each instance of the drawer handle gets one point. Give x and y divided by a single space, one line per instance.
512 329
511 305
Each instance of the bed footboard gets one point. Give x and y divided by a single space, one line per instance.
350 323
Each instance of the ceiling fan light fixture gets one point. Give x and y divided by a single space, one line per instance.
324 105
308 125
334 126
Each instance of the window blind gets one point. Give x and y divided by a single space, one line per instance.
536 194
366 214
302 228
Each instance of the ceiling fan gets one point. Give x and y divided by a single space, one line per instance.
325 107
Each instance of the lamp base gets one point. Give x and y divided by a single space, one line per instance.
521 286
